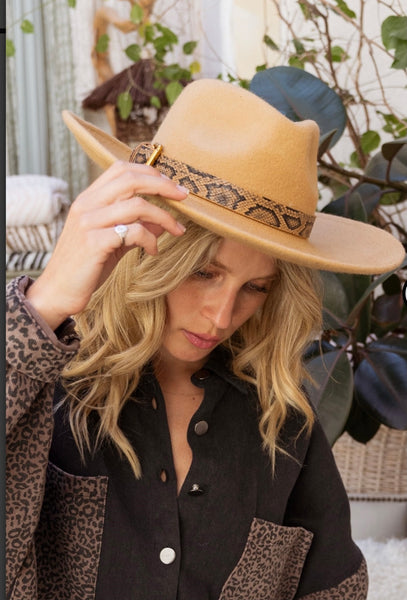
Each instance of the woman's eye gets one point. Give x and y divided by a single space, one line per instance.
202 274
261 289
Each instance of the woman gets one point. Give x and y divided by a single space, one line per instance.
183 459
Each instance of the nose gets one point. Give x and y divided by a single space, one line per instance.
219 307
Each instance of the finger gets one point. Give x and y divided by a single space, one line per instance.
137 236
129 211
120 167
125 186
156 230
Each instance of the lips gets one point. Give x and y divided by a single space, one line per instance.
201 340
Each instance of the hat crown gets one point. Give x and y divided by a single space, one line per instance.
244 140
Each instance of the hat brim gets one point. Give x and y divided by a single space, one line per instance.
336 243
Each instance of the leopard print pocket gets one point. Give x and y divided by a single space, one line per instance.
69 536
271 564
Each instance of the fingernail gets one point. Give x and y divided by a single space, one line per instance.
181 227
164 176
183 189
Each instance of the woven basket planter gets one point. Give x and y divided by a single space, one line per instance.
377 469
136 129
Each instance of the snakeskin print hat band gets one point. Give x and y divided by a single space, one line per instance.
252 176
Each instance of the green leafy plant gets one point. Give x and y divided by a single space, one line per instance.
394 36
157 41
158 79
359 364
154 78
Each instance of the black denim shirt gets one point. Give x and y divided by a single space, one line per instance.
234 526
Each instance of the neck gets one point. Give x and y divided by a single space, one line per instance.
175 375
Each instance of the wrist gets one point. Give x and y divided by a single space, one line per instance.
39 300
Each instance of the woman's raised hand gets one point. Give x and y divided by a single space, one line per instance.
89 248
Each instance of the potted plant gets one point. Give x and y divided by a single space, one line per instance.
137 98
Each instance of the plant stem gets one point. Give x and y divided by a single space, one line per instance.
332 168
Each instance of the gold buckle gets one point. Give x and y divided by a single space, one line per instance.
158 148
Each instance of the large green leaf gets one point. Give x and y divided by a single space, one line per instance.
391 343
381 385
350 205
392 285
390 149
355 287
325 142
388 307
393 28
335 301
360 425
394 36
300 95
375 283
332 392
378 166
316 348
370 195
347 204
387 311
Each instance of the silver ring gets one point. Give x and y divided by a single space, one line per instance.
121 231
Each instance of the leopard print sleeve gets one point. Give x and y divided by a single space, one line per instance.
35 357
354 587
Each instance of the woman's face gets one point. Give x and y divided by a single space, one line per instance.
213 303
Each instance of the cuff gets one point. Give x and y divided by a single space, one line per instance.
32 347
352 588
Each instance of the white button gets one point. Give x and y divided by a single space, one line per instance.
167 555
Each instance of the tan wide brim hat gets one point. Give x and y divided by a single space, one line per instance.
252 176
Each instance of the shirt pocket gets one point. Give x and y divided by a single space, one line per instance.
69 535
271 564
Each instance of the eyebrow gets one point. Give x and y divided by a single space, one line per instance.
220 265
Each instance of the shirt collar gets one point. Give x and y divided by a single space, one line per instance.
219 363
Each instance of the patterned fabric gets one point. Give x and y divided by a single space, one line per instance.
223 193
27 261
34 199
354 587
271 564
34 238
77 506
29 394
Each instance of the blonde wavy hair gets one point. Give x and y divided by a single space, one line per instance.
122 327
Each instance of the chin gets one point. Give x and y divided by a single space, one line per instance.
185 355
